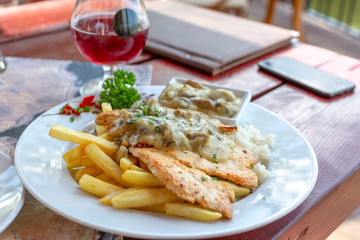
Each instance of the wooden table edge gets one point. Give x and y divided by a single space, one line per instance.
313 225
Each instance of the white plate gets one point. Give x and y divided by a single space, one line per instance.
43 172
12 192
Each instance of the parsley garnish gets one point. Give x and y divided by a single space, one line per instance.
72 119
214 158
215 178
204 178
119 91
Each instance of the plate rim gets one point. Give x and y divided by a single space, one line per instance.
11 217
271 219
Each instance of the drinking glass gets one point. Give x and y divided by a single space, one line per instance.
108 33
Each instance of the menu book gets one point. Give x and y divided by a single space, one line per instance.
207 40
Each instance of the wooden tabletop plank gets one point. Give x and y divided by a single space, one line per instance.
341 66
354 76
332 130
309 54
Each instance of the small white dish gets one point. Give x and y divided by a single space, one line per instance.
12 193
244 95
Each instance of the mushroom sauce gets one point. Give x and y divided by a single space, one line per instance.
149 124
193 95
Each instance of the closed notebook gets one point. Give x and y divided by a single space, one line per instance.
207 40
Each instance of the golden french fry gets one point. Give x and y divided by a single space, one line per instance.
157 208
103 176
86 161
125 163
96 186
107 198
69 135
136 168
134 198
90 170
74 164
106 107
191 211
74 153
100 130
106 136
238 191
141 178
105 163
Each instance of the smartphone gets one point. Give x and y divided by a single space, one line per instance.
308 77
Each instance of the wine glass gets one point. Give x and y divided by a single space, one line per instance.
108 33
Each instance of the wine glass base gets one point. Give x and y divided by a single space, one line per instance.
91 87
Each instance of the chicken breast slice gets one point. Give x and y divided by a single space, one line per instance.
189 184
232 170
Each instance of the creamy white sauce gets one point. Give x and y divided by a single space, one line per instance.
193 95
165 128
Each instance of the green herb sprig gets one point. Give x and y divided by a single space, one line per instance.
119 90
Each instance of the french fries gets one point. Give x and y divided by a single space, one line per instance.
141 178
96 186
134 198
100 130
107 198
106 107
125 163
90 170
240 192
105 163
69 135
191 211
156 208
75 153
74 163
117 178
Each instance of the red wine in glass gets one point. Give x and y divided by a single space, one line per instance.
96 39
108 33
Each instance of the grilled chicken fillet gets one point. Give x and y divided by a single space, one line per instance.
189 184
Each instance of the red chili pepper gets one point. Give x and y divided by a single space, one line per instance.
75 112
66 109
88 99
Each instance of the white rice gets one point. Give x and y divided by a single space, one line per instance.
251 138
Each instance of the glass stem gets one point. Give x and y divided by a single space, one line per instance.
108 71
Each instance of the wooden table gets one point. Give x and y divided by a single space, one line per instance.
331 126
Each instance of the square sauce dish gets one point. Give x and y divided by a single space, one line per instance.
223 103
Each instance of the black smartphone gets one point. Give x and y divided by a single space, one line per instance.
308 77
